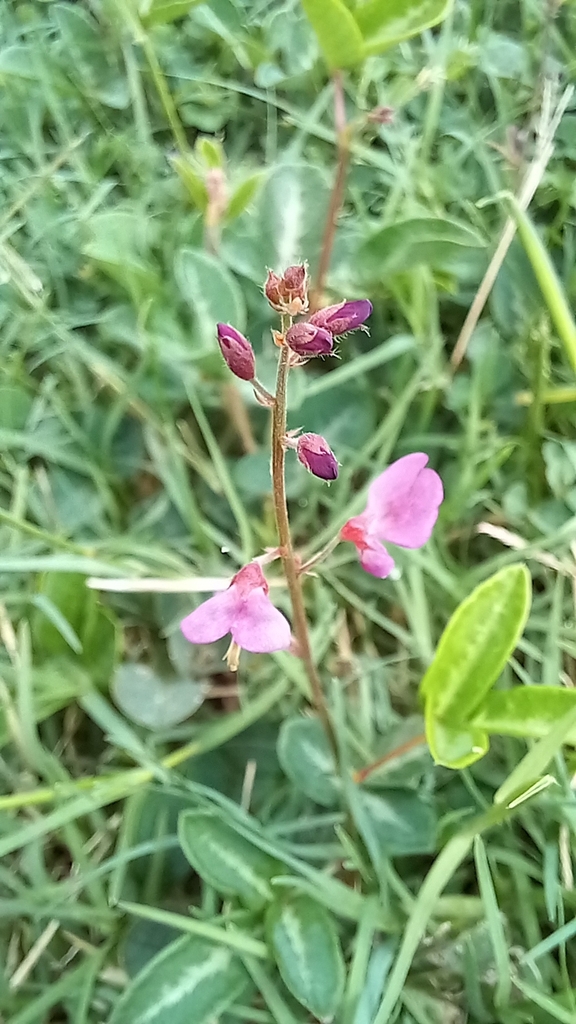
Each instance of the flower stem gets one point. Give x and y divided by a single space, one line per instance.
337 195
286 550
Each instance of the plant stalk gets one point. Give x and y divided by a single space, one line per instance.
337 194
293 580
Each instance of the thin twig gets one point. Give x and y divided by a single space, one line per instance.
337 194
549 122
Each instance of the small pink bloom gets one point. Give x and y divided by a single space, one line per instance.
343 317
245 611
402 508
314 452
237 351
308 340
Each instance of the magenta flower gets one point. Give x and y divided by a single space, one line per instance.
245 611
307 339
314 452
343 317
237 351
402 508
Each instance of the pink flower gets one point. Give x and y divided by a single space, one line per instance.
245 611
402 508
343 317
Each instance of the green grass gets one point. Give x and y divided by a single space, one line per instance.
124 453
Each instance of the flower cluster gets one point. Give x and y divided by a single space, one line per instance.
403 501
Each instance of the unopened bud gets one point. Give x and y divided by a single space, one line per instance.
343 317
237 351
381 115
288 294
308 340
314 452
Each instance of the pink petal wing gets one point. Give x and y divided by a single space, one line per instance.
376 560
259 627
394 482
403 502
212 619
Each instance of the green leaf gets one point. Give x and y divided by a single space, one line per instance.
161 12
149 700
243 195
386 22
547 278
472 652
337 31
226 860
537 759
431 240
191 981
401 822
210 152
526 711
308 761
304 941
476 644
68 619
211 292
455 746
192 181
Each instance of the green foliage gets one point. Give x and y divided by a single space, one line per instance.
304 941
157 813
225 860
472 652
191 981
347 36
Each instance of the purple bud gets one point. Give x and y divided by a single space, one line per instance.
314 452
237 351
307 339
343 317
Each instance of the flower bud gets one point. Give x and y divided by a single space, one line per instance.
288 294
314 452
343 317
237 351
308 340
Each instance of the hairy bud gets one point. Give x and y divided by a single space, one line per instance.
288 294
343 317
314 452
308 340
237 351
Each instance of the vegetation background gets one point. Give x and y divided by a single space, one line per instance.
127 452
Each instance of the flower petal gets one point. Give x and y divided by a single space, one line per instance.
212 619
259 627
375 559
403 502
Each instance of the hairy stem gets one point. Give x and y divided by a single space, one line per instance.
300 623
337 194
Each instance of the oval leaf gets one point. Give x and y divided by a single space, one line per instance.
386 22
476 645
337 32
211 292
528 712
307 760
400 821
190 982
436 241
225 860
306 948
149 700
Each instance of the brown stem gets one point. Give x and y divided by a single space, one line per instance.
337 195
392 755
286 550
